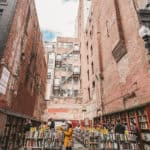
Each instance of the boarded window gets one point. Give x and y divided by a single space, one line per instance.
119 51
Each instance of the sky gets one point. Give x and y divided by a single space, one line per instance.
57 17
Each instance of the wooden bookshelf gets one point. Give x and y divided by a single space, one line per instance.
13 133
123 118
143 119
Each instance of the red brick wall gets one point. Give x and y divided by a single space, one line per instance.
131 73
25 38
114 22
2 123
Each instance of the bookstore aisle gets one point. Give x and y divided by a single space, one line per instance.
77 146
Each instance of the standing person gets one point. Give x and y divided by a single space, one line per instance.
51 123
26 128
68 140
78 127
27 125
119 128
119 131
52 126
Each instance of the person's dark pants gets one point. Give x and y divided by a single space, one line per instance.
68 148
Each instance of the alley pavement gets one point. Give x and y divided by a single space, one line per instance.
78 146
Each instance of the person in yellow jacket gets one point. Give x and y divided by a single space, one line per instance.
68 140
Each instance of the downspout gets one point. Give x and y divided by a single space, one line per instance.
100 78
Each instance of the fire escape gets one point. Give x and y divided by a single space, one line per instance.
73 73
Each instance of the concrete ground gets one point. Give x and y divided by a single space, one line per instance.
78 146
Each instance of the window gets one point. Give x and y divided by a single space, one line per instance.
50 66
3 1
92 66
86 32
91 50
88 75
89 93
91 32
57 82
69 92
76 47
1 12
58 57
63 67
49 70
70 55
70 67
49 75
90 20
50 61
56 92
65 45
68 45
76 56
87 44
57 64
64 56
69 80
62 93
87 59
63 78
76 80
93 84
75 93
76 70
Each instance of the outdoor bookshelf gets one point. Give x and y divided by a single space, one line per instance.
13 135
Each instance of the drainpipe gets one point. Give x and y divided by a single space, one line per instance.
100 77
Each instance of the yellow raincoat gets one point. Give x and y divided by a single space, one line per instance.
68 136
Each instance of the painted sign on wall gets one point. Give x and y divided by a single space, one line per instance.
4 80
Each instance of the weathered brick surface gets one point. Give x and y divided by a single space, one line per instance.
65 107
24 54
114 22
89 36
2 123
131 72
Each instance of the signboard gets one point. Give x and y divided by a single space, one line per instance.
86 121
4 80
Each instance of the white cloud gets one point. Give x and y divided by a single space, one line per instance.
57 15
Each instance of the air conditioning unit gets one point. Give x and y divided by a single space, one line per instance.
15 75
15 92
76 47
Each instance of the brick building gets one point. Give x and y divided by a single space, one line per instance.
90 68
50 48
64 72
22 64
113 56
